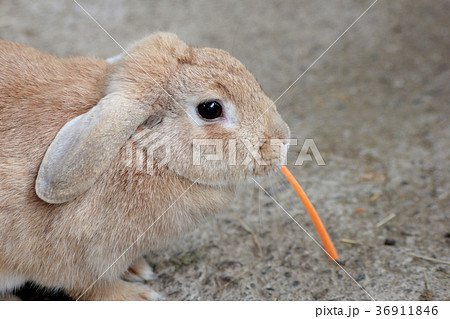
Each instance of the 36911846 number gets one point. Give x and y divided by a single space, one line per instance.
406 311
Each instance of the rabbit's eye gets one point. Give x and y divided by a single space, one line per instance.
210 110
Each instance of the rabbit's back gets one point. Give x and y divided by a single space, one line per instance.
39 93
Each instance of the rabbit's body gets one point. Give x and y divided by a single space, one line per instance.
71 243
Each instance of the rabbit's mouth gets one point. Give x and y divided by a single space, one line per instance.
233 176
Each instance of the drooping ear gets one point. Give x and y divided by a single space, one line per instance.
85 147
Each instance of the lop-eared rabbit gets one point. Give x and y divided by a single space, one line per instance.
77 212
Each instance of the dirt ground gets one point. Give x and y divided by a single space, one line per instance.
377 105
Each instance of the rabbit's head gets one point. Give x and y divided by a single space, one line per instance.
196 111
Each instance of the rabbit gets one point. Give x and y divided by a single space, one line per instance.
76 214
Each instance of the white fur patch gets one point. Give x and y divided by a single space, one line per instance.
116 58
10 282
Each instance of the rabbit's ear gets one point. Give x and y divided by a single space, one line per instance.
85 147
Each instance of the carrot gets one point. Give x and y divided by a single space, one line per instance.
324 237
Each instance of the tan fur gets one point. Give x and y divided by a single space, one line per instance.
69 245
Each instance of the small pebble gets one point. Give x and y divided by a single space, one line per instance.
426 295
389 242
341 262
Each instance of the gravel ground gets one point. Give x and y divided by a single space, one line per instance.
376 105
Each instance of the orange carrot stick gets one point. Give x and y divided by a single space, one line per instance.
324 237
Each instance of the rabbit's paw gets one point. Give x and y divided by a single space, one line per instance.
121 290
133 291
139 271
141 292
